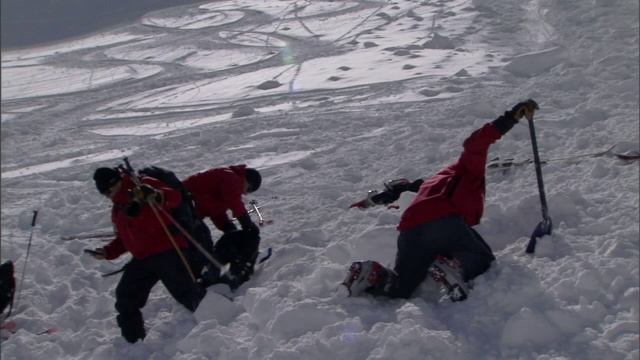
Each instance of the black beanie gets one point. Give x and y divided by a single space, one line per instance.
253 178
105 178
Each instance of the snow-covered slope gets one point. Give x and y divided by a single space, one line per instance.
329 99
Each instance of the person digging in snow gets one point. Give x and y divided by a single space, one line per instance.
156 254
436 235
216 191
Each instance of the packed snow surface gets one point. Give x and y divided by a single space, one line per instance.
329 99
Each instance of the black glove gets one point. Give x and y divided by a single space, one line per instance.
97 253
145 193
395 188
228 227
133 208
247 224
510 118
524 109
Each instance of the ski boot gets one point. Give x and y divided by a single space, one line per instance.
448 272
365 275
240 272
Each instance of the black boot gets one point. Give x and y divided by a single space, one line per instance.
241 271
131 326
211 276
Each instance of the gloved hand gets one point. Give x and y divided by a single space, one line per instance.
393 190
133 208
97 253
228 227
247 224
524 109
145 193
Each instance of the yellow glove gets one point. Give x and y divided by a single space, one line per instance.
145 193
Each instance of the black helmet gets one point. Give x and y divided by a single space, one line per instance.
254 179
105 178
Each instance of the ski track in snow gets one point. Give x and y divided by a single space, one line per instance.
329 99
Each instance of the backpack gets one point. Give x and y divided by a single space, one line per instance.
7 286
185 213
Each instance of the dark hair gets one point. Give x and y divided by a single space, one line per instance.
105 178
254 179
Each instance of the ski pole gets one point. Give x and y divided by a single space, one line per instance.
223 268
26 259
545 226
154 206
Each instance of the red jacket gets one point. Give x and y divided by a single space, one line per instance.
217 190
459 188
143 235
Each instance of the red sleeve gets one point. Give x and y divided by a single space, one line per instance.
476 148
232 195
220 220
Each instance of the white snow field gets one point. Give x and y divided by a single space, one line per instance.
329 99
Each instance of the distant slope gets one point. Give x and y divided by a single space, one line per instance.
27 23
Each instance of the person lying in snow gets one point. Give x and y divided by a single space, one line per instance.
436 235
216 191
155 257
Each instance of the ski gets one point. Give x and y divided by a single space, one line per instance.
87 236
106 235
49 331
9 328
629 156
266 257
496 164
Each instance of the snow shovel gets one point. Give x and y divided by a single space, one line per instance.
545 227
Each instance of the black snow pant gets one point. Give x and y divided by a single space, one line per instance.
139 277
202 235
418 248
237 245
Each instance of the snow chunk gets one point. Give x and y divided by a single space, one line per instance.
535 63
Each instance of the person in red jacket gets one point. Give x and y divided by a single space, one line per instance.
436 235
215 192
155 257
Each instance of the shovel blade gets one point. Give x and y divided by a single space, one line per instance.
545 227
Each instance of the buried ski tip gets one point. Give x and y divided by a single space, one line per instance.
49 331
10 328
629 155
